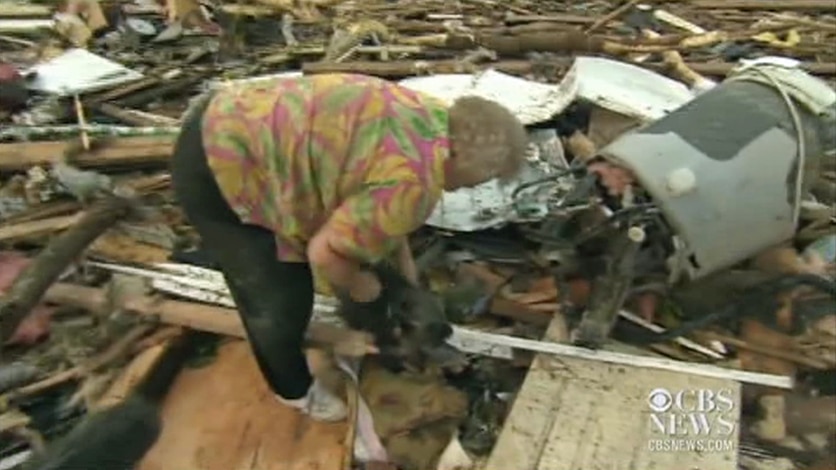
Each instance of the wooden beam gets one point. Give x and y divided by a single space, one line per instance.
580 414
110 152
551 18
136 370
22 10
46 267
35 228
826 5
218 320
405 68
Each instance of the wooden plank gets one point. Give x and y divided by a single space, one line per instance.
136 370
202 317
120 248
826 5
223 417
22 10
407 68
36 228
574 413
551 18
533 412
604 421
110 152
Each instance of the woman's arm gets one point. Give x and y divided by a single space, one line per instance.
367 228
406 262
343 273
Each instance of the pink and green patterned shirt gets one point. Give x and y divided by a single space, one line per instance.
363 155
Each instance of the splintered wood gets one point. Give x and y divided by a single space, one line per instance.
576 414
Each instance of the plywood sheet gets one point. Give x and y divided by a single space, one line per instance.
576 414
223 417
532 415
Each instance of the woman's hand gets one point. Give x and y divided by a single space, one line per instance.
364 287
356 344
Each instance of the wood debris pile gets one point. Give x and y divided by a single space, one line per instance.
94 272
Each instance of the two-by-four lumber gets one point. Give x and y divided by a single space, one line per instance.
116 151
197 316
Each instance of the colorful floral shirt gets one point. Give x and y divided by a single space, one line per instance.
360 154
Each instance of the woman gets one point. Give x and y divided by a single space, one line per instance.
290 176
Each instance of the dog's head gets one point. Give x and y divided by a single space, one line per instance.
408 321
420 316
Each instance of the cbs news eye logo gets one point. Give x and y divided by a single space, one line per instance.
692 412
660 400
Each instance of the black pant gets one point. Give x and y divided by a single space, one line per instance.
274 298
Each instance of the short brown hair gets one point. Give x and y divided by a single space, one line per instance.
486 138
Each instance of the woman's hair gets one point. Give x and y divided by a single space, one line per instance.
486 138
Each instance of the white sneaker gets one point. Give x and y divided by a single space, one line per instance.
320 404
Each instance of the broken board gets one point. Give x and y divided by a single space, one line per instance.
577 414
113 151
223 417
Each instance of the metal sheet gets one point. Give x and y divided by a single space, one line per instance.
530 101
628 89
79 71
617 86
